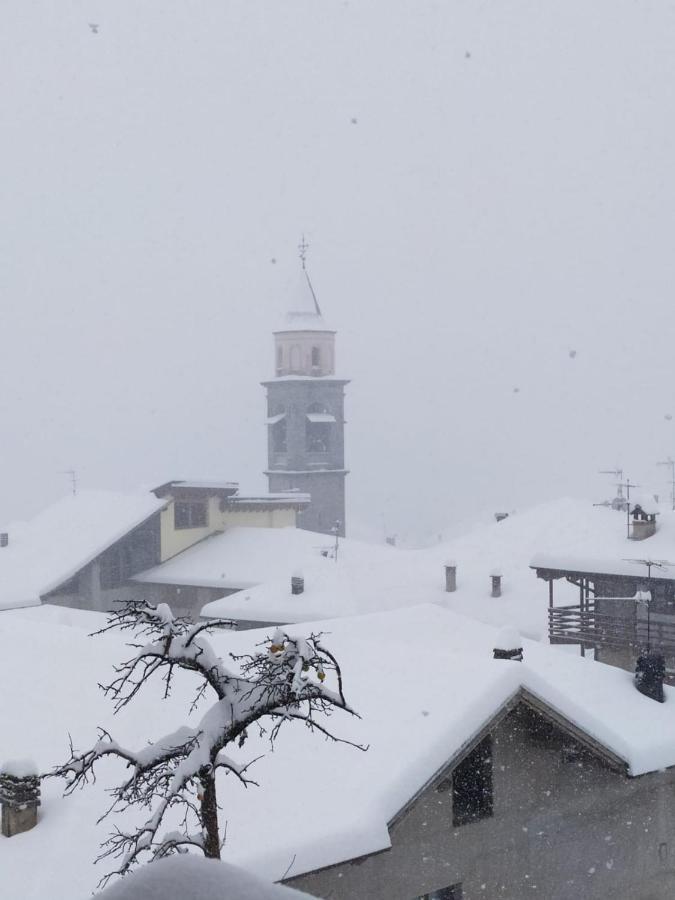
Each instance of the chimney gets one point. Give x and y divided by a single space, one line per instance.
496 577
297 583
650 670
450 577
19 796
4 539
508 645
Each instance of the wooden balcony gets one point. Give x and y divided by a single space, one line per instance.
583 625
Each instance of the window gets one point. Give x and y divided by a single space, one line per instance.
316 358
190 514
452 892
280 360
472 785
319 429
279 440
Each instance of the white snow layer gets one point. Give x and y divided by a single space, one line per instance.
423 679
61 540
195 878
380 578
243 557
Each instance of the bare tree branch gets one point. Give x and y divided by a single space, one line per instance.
174 778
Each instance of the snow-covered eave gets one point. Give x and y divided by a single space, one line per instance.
522 695
20 604
322 471
391 807
319 329
309 378
559 566
152 576
280 502
88 558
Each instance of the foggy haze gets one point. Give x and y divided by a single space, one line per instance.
488 194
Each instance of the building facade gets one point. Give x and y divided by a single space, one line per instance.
530 808
305 417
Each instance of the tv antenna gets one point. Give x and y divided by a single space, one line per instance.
618 473
73 480
650 564
670 462
627 484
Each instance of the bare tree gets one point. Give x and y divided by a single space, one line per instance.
174 778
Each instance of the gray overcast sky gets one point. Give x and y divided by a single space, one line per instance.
485 185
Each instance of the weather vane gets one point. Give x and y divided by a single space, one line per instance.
303 247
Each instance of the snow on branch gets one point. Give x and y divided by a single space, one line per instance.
173 779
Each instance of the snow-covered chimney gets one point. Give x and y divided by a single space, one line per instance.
508 645
496 577
450 576
650 671
19 796
4 539
297 583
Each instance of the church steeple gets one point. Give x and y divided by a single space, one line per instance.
305 408
304 344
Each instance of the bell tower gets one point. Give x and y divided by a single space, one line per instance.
305 412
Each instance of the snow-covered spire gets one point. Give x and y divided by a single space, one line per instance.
304 344
303 246
304 313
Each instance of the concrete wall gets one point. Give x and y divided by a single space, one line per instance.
563 828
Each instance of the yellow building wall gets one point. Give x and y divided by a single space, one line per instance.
175 540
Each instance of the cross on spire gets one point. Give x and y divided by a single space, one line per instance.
303 247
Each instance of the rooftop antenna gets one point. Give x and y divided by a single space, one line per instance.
670 462
336 531
651 564
627 484
303 247
73 480
618 473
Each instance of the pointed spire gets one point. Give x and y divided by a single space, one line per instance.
303 247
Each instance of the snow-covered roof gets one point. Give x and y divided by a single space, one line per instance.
192 877
429 689
304 313
303 321
51 548
242 557
289 498
195 484
633 568
389 577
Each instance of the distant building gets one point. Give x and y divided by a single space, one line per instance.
305 415
625 607
84 551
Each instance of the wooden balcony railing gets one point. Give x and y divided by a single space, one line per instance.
583 625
